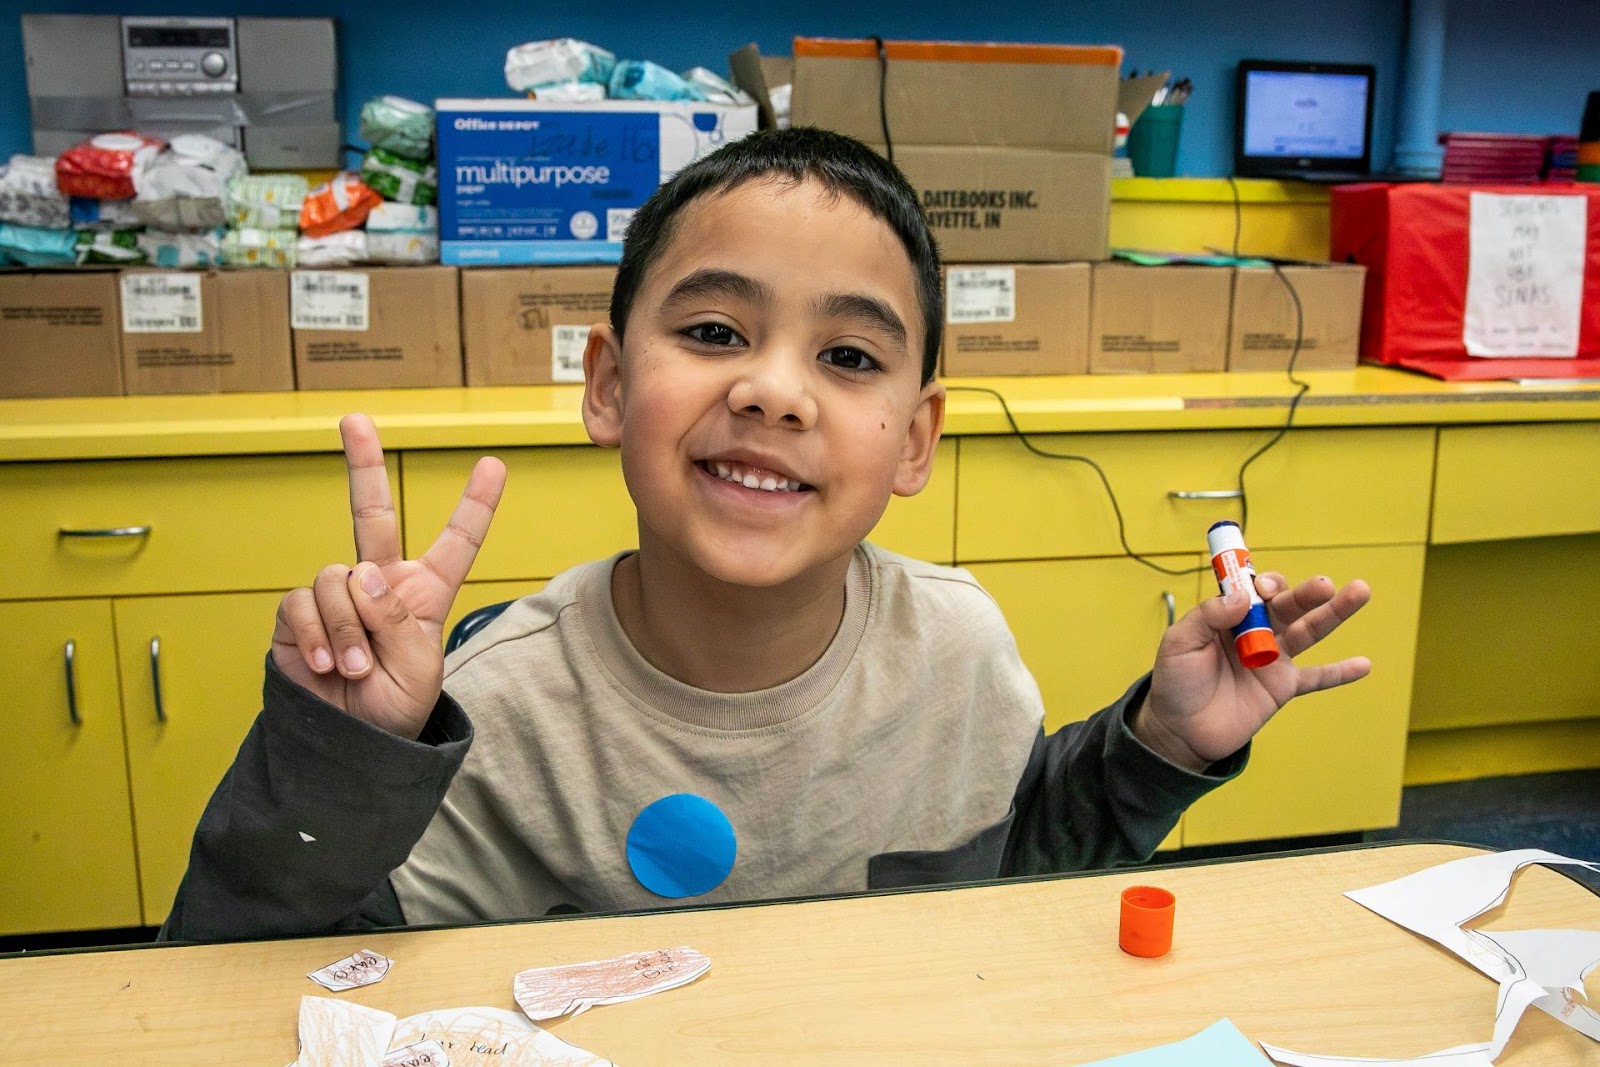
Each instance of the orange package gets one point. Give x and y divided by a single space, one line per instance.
107 166
341 204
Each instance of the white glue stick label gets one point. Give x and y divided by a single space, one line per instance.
155 302
329 300
981 294
1524 275
566 353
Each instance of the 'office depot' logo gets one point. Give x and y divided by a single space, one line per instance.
474 177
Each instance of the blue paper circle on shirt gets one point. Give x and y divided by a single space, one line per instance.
681 846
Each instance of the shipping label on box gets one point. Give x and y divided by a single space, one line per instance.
530 325
58 334
1159 320
382 328
1263 332
1025 318
525 181
205 332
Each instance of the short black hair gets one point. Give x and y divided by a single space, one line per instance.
838 163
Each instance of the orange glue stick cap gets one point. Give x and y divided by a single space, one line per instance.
1146 928
1256 648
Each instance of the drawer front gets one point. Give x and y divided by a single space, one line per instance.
214 524
1497 482
1316 487
567 505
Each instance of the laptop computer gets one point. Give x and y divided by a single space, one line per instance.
1309 121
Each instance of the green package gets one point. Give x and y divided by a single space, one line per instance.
405 181
109 246
398 125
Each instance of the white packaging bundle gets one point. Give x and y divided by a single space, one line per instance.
570 93
335 250
403 233
714 88
563 59
181 250
28 193
185 188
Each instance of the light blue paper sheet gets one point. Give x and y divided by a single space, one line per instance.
1218 1045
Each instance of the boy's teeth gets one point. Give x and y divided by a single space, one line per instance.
729 472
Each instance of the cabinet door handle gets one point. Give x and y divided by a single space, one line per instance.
108 531
1205 494
72 684
155 678
1172 606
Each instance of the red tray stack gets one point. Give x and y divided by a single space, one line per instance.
1499 158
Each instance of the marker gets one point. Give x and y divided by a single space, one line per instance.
1253 638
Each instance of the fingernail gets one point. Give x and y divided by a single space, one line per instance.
321 660
355 661
372 582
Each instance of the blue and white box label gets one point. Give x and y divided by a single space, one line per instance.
525 181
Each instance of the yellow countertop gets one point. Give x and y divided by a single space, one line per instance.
257 423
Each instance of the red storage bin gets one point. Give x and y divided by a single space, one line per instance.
1416 241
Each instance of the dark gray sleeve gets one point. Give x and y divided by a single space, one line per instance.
1093 796
316 811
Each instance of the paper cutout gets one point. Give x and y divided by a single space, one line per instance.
1439 901
1459 1056
305 836
354 971
681 846
551 992
339 1033
422 1054
491 1037
1218 1045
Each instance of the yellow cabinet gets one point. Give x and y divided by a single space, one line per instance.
114 528
565 506
1316 487
1331 762
66 833
191 669
1517 481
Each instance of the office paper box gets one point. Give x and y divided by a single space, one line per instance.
1159 320
380 328
1262 335
1475 280
1026 318
58 334
528 181
529 325
205 331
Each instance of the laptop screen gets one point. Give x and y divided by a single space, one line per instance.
1303 116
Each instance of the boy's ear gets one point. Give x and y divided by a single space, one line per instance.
602 386
922 439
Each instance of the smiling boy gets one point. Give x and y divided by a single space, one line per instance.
860 720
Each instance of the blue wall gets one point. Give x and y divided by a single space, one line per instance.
1501 72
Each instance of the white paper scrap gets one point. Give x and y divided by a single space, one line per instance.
339 1033
1550 966
354 971
491 1037
1460 1056
551 992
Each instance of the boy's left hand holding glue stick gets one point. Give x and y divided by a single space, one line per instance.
1204 704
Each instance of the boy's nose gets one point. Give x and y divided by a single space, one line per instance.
775 393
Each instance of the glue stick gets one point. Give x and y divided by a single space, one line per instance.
1253 638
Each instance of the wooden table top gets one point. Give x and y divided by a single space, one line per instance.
1019 972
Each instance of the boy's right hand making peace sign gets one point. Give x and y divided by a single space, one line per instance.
370 640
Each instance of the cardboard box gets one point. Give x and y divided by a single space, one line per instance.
206 331
1008 146
1159 320
1018 204
1025 318
529 325
1262 334
58 334
379 328
528 181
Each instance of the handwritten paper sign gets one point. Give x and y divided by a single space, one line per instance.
551 992
352 972
1524 275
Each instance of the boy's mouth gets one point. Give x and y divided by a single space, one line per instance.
752 477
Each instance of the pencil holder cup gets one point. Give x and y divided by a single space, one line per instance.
1153 141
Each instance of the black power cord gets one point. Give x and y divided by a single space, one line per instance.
883 96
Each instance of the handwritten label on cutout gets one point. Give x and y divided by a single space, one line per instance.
551 992
1525 275
352 972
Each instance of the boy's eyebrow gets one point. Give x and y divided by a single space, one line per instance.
870 308
710 281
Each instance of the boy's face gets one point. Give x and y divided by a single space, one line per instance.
768 396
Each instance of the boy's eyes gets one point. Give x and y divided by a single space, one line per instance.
843 357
